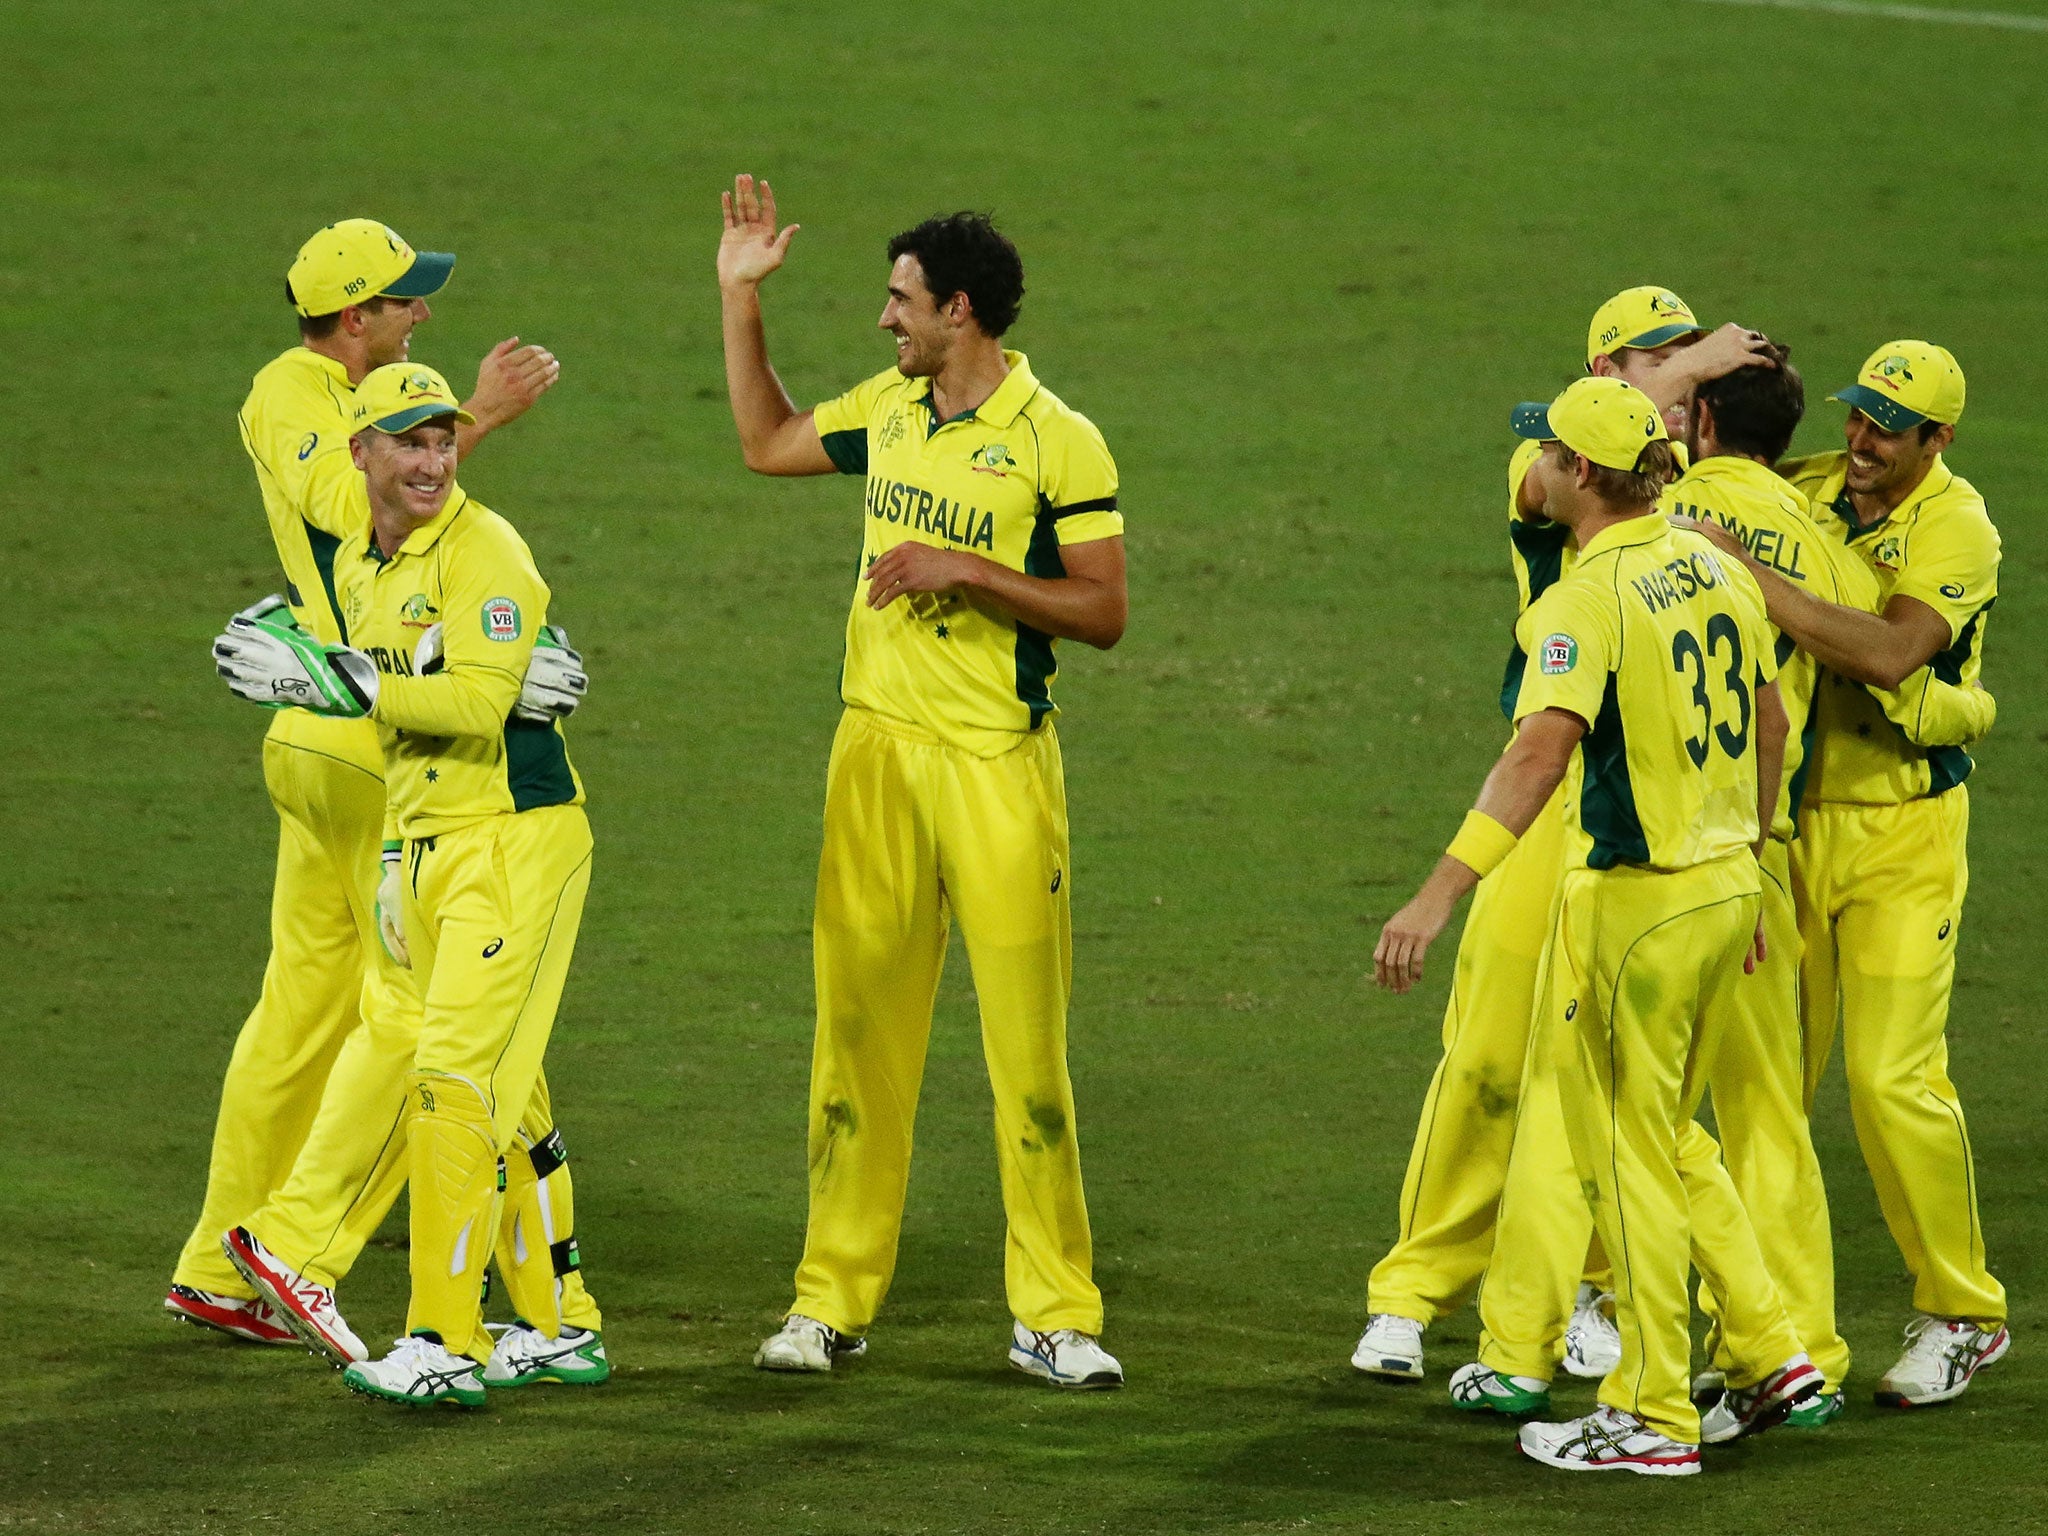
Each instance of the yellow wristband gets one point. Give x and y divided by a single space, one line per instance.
1481 843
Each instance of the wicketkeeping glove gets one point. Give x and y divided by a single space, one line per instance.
555 680
269 660
390 910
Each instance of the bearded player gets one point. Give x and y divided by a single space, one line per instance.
991 531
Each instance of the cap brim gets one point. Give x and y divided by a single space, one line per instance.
1882 409
1662 334
427 274
1531 419
406 420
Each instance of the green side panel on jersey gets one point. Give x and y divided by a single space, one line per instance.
1511 681
1541 549
537 765
1035 664
1949 766
1607 806
325 546
847 450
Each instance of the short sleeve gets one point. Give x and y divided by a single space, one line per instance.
1570 635
1952 566
1077 479
842 422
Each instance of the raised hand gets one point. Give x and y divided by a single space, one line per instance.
750 248
509 380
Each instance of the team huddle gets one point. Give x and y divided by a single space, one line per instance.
1732 814
1732 819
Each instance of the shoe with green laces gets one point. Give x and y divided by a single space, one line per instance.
1817 1412
1478 1388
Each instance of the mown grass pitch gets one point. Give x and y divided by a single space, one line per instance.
1296 262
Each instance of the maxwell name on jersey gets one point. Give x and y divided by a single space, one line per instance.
1768 546
897 501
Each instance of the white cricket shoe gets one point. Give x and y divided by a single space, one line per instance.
1592 1344
1478 1388
420 1372
1943 1355
805 1344
1608 1440
1741 1411
524 1355
304 1306
1390 1346
241 1317
1066 1357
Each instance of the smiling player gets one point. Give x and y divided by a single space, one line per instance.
991 531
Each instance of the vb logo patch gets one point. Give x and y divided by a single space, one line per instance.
501 620
1559 655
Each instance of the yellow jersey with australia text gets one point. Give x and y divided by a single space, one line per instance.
453 752
295 425
1660 646
1937 546
1013 480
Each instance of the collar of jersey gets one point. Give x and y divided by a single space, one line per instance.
427 535
329 366
1625 535
1938 479
1000 408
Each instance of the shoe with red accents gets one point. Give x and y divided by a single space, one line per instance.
1608 1440
304 1306
241 1317
1943 1356
1742 1411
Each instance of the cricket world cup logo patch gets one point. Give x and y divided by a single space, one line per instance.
1560 654
501 620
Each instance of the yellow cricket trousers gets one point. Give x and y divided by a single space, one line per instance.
917 831
1880 895
1540 1244
491 915
326 780
1758 1083
1452 1190
1645 963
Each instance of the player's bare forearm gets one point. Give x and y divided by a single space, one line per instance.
775 437
1773 725
1090 603
1517 789
1879 649
1711 357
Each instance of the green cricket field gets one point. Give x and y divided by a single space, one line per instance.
1297 261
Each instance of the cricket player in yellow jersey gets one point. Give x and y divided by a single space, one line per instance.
1880 868
358 289
991 530
485 812
1654 664
1460 1160
1740 426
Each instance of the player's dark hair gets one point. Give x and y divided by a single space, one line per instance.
320 327
1758 408
1927 429
966 253
1656 467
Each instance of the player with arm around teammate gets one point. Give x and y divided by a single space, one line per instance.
1881 867
1491 1093
991 531
358 290
1654 666
494 849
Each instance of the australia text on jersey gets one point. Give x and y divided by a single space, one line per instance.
956 522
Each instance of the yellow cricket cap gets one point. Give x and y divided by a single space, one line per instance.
399 396
1639 317
1606 420
359 259
1906 383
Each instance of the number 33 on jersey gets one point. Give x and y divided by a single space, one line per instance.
1659 645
